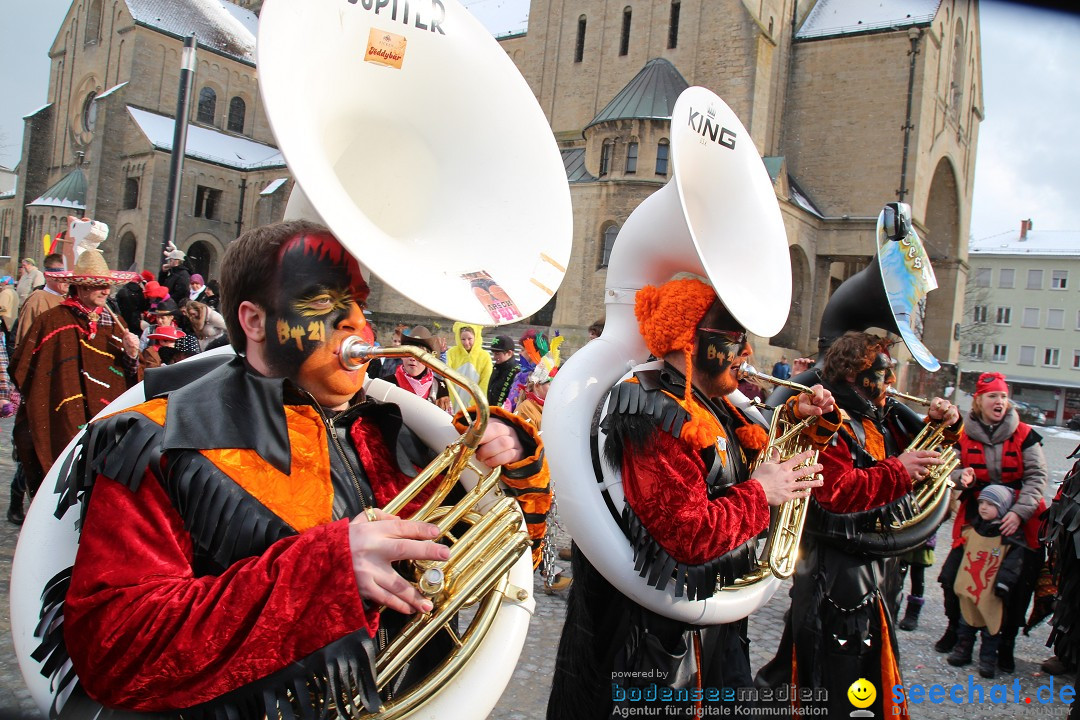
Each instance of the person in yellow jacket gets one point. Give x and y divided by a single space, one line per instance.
469 358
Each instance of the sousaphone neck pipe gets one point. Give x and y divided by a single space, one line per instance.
749 372
893 392
355 352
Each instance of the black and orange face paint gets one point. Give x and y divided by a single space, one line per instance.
872 382
716 352
321 292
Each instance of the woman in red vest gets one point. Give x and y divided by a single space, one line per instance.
997 449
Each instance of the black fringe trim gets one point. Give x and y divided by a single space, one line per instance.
225 523
224 520
322 685
119 447
698 582
52 652
1063 534
634 413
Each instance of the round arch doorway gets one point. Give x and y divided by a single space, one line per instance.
201 257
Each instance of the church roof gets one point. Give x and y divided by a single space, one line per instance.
650 95
218 25
833 18
69 192
208 145
574 162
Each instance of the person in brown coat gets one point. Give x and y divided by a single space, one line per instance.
74 360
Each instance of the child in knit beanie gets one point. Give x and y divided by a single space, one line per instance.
989 569
994 502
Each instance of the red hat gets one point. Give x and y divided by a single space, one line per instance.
167 332
991 382
146 275
154 289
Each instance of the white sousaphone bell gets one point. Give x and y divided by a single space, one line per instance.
433 174
417 141
718 211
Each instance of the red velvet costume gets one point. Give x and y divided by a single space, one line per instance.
692 516
666 489
220 579
840 628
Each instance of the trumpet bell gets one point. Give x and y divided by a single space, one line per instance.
387 117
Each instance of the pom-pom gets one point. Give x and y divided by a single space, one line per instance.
668 315
752 437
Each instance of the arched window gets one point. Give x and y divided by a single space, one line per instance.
610 233
631 158
207 106
605 158
662 151
93 22
237 109
624 41
89 112
126 258
579 49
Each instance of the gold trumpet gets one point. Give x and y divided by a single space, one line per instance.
934 488
480 559
785 441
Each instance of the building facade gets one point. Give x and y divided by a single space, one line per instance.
1022 317
102 146
851 104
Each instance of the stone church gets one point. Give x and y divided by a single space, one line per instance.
102 145
851 104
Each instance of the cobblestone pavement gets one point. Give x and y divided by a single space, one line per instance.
526 696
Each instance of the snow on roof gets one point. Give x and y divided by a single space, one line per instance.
218 25
830 18
799 198
209 145
1037 242
502 18
30 115
111 90
272 187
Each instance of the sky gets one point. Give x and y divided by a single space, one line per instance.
1027 158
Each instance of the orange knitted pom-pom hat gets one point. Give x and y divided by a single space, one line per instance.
667 315
667 318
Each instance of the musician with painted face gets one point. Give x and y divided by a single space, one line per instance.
234 557
839 621
693 510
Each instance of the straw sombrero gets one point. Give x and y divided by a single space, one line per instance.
90 267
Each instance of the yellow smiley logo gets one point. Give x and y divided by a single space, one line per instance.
862 693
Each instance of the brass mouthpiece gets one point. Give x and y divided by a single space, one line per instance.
355 352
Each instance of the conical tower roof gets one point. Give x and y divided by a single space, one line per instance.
650 95
69 192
